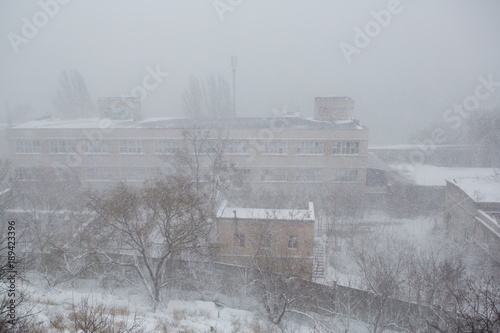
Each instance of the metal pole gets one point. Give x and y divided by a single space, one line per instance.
233 64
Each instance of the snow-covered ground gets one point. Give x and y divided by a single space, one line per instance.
55 309
430 175
339 266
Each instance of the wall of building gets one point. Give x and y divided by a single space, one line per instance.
254 159
288 239
459 217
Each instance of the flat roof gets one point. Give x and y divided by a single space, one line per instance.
188 123
226 211
480 189
431 175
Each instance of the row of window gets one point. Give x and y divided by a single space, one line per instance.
92 174
140 174
233 147
265 241
309 175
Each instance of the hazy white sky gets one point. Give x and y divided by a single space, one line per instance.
427 58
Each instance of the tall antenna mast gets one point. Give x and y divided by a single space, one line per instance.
233 65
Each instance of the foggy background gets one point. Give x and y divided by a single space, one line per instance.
428 58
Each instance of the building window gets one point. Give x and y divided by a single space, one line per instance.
241 175
240 239
293 242
246 173
133 174
62 146
165 172
98 174
64 174
96 147
273 175
131 147
275 147
346 148
27 174
236 147
310 148
309 175
205 146
345 175
167 146
27 146
265 241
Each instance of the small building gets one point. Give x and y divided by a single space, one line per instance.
472 212
245 234
420 188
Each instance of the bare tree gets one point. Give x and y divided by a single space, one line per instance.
51 211
72 98
12 260
194 99
339 211
279 284
383 265
484 128
281 271
203 160
207 99
476 307
148 228
433 276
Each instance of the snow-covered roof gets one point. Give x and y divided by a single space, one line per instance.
479 189
430 175
415 147
53 123
266 214
187 123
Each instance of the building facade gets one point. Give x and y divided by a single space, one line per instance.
246 235
473 212
264 151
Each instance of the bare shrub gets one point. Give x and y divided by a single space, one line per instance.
90 316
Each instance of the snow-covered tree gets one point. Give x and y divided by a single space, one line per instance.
148 228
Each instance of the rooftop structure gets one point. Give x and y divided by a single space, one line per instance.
266 214
480 189
188 123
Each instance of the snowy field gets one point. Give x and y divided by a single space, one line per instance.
55 310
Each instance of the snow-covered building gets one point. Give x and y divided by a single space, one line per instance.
245 234
122 146
473 212
420 188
